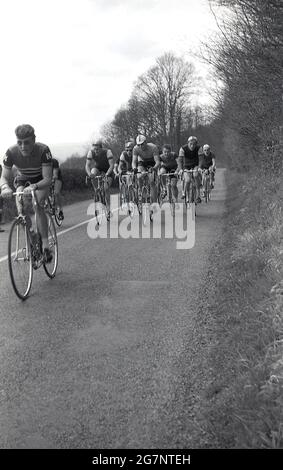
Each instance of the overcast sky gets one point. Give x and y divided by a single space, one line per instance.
68 65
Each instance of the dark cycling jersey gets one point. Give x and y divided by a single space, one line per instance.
190 159
206 161
29 167
146 157
169 162
127 164
55 165
101 161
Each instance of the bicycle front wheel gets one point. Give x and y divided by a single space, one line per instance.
20 259
50 268
131 202
171 201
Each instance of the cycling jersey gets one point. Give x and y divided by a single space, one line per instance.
127 164
190 158
146 157
55 165
206 161
30 168
101 160
169 162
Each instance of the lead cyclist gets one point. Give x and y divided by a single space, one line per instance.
146 158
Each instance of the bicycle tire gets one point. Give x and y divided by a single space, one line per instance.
131 203
206 189
171 200
51 268
21 288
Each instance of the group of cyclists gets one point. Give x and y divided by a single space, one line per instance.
142 157
37 170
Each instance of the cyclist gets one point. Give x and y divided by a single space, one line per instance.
168 161
103 165
57 180
33 163
146 158
126 158
207 162
189 160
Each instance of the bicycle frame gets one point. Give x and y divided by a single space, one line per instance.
165 181
191 187
99 196
128 191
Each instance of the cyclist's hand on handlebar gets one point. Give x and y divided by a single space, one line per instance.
30 188
7 193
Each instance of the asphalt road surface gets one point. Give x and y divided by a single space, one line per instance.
97 357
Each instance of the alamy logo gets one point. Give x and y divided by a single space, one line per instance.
180 227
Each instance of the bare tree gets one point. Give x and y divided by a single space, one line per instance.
163 93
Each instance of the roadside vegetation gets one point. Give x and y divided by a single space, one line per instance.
243 320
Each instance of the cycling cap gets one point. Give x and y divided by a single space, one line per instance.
140 139
97 143
24 130
206 147
129 145
192 138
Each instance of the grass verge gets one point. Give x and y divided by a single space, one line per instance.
241 322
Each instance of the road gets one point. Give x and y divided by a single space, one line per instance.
99 357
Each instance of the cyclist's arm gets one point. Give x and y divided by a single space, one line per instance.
46 177
88 163
46 168
55 173
135 159
110 159
121 161
180 159
5 177
213 163
156 157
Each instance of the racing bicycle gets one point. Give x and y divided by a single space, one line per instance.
25 254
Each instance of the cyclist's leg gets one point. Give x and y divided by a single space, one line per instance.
187 179
140 176
42 224
107 185
161 172
153 189
174 188
197 178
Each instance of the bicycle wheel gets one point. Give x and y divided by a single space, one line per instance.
123 196
131 203
19 259
159 193
50 268
206 189
171 200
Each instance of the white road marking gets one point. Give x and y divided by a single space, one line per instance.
62 232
